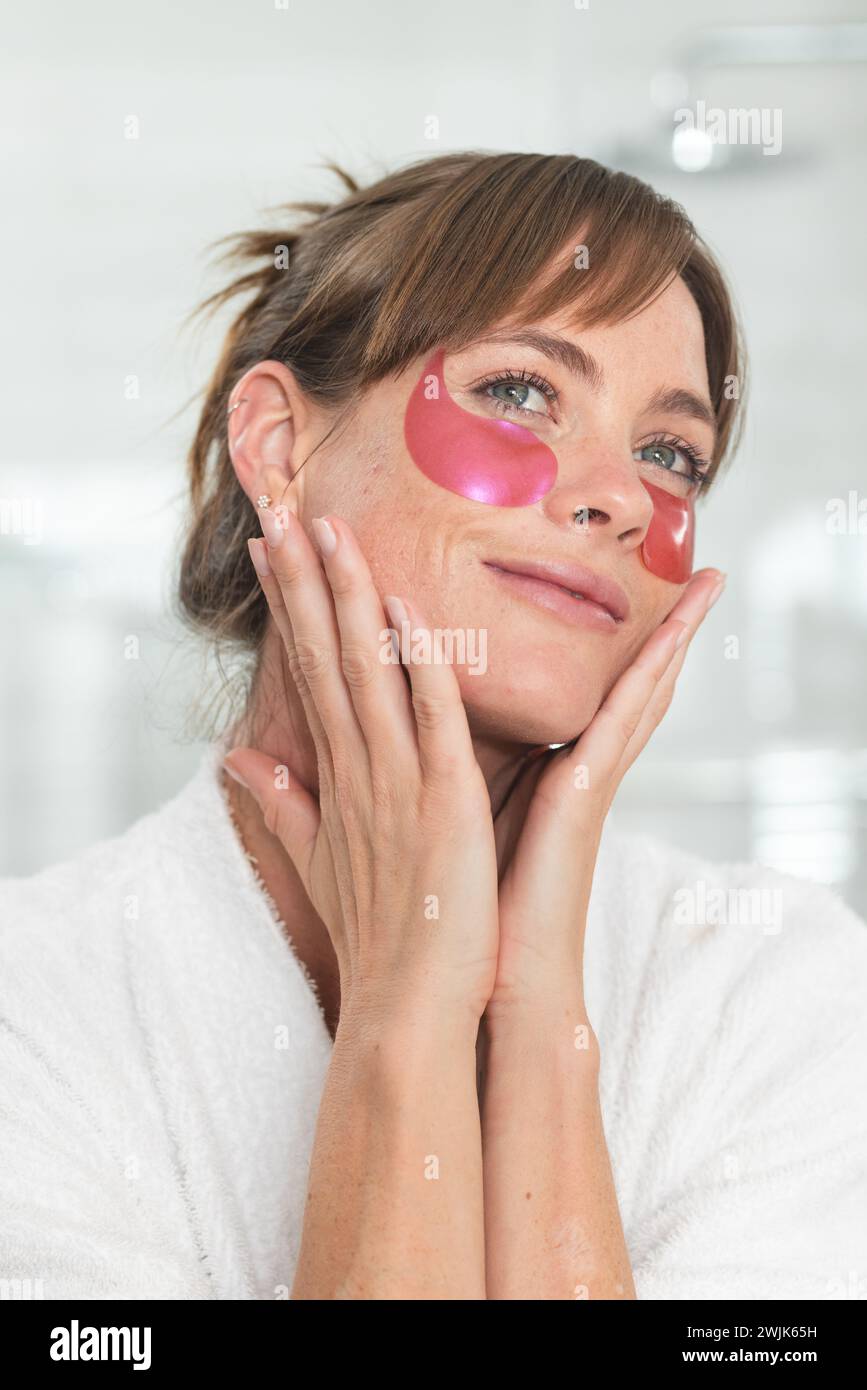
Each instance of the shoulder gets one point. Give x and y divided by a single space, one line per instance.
681 914
88 894
723 950
86 1194
77 937
737 1085
65 923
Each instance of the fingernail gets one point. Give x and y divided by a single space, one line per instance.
271 528
259 556
682 636
237 776
325 536
716 593
396 610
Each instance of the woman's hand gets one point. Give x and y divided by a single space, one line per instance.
397 852
395 849
552 1224
563 801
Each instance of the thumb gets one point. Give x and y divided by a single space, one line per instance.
290 811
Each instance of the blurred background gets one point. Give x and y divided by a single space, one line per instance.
133 137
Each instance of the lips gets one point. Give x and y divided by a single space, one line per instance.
571 580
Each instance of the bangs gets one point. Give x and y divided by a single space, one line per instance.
518 238
525 237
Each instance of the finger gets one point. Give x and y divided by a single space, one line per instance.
442 730
702 591
376 684
629 713
575 790
625 705
258 550
693 613
603 742
290 811
268 582
316 643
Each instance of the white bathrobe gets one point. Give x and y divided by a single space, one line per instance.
162 1058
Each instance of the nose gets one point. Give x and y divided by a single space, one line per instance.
598 489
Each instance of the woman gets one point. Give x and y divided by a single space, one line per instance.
383 1014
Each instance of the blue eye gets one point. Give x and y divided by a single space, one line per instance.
517 393
663 454
675 456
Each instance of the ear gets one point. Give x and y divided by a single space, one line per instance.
270 433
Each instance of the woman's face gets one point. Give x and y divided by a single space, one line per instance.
549 659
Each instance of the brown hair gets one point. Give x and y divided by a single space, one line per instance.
435 253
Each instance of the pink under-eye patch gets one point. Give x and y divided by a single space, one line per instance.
501 463
493 461
668 545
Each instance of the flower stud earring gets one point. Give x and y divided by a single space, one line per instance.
263 501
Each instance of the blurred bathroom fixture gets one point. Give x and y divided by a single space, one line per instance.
692 136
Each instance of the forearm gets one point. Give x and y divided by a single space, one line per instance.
552 1225
394 1208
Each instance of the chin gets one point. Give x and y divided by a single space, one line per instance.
536 680
530 731
531 713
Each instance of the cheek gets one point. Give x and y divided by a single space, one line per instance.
504 465
493 461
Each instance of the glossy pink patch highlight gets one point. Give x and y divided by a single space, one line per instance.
493 461
668 546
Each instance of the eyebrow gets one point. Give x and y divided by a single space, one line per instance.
675 401
560 350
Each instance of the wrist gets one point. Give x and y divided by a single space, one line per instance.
397 1067
406 1027
554 1021
539 1063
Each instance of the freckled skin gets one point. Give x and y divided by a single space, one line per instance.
545 678
503 464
